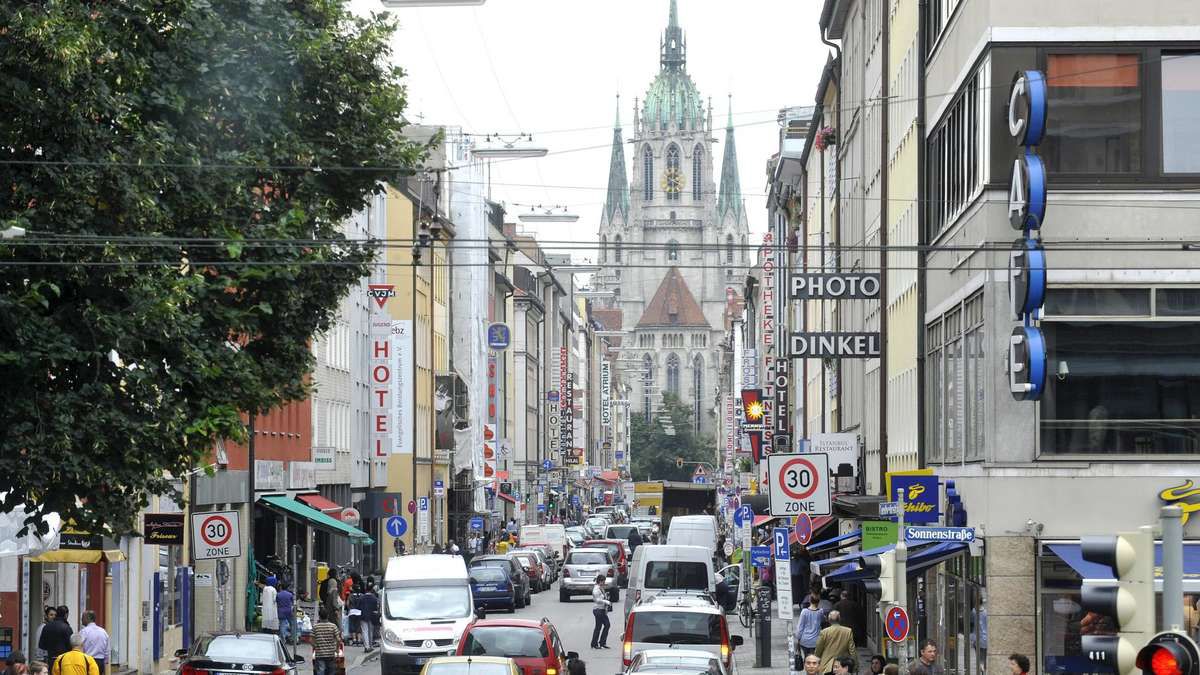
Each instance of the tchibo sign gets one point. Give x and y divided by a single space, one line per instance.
860 286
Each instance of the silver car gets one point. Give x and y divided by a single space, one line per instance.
685 660
580 570
679 621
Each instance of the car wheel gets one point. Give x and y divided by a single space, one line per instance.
563 596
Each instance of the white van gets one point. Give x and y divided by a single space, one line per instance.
659 567
554 536
694 531
427 603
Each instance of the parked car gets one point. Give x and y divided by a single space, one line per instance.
471 665
594 526
549 564
516 574
538 578
677 660
493 588
534 645
580 570
618 549
683 619
250 653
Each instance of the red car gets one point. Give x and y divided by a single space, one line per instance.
534 645
616 548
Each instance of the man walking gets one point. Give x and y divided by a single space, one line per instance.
270 612
285 604
927 663
834 642
368 604
852 617
55 639
95 640
635 540
326 638
75 662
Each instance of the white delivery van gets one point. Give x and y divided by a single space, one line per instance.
694 531
661 567
427 603
554 536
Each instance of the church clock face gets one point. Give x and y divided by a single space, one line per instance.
672 182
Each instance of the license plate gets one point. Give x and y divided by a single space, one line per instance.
488 589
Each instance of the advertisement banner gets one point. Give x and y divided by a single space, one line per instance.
841 448
381 405
922 504
403 422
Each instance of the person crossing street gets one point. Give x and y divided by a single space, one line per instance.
600 609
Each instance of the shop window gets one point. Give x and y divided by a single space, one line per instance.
1181 113
1098 302
1096 101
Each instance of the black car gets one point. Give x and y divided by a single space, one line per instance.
242 653
515 572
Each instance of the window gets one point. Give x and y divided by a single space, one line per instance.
1096 125
697 391
676 575
603 248
647 173
506 641
648 384
1181 113
673 171
1120 382
697 172
956 383
729 248
956 157
673 251
617 249
937 18
677 627
673 375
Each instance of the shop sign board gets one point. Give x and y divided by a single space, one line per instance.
164 529
821 286
835 345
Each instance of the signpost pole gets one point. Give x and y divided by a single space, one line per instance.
902 573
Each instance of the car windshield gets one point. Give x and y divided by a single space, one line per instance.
621 531
614 549
526 559
488 574
420 603
671 661
510 641
587 558
676 574
676 627
234 648
597 522
459 668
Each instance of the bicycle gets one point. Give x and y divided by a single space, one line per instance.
746 612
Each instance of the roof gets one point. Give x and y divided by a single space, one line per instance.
502 660
673 305
428 567
618 185
729 196
320 502
696 602
511 623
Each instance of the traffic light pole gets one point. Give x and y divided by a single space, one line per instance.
1172 565
901 584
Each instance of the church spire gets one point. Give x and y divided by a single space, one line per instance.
674 49
729 200
618 185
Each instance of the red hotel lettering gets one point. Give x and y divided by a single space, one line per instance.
381 379
382 394
381 424
382 349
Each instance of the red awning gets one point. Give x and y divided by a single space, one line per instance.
507 498
609 476
321 503
818 523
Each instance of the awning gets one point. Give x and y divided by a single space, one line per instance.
508 498
313 517
609 476
1073 556
834 543
321 503
919 560
76 555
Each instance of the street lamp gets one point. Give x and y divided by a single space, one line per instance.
548 216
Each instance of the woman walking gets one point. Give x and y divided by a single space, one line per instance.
600 607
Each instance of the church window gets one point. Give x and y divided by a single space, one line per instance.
647 173
697 169
603 248
673 375
673 251
745 247
647 381
729 248
697 390
673 173
617 249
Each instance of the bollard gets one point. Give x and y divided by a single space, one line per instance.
762 640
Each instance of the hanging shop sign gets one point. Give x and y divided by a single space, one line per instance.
922 503
606 396
819 286
1027 116
164 529
782 418
749 368
403 374
835 345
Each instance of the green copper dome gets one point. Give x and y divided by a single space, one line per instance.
673 96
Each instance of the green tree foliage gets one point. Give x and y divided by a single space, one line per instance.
181 167
655 452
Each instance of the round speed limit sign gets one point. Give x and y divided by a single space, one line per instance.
799 483
216 535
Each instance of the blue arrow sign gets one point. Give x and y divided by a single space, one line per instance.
396 526
780 537
760 556
541 508
547 465
744 516
699 480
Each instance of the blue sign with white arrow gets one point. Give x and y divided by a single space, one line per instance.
744 516
476 523
396 526
547 465
760 556
780 536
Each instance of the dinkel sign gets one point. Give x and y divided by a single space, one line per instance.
216 535
799 483
819 286
834 345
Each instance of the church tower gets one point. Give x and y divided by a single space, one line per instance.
669 247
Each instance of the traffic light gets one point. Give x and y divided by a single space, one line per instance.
886 573
1169 653
1128 601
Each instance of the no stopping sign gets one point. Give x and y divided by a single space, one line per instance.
799 484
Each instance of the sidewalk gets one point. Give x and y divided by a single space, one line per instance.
744 656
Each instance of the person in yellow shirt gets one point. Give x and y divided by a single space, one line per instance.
502 546
75 662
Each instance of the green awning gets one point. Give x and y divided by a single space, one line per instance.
314 517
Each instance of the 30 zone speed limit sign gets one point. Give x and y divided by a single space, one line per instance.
216 535
799 484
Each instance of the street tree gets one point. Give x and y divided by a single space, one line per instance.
655 451
180 169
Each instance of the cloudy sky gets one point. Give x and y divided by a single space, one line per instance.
552 68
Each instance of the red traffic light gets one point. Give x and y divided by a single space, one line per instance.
1163 662
1169 654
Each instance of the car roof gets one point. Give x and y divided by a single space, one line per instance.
239 634
662 601
589 549
490 556
421 568
472 659
508 623
681 653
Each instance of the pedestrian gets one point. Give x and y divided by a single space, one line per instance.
852 616
55 639
285 604
576 667
891 669
348 585
808 627
843 666
437 549
270 611
356 618
834 642
48 613
600 608
926 664
331 599
95 640
452 548
369 606
61 613
37 668
812 664
878 663
75 662
635 540
15 664
326 638
798 563
502 545
1018 664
